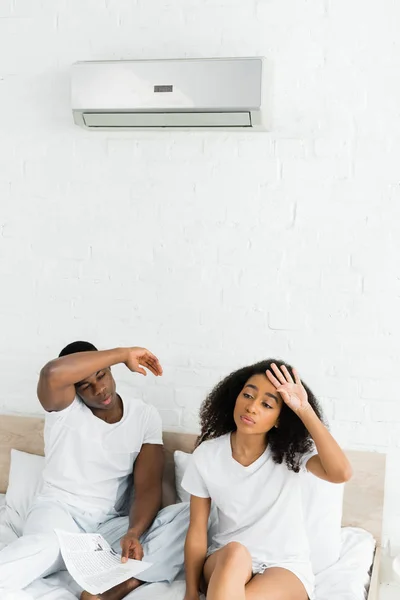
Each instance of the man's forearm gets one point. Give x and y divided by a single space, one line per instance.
144 509
70 369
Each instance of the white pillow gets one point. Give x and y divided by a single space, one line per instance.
322 507
181 460
25 481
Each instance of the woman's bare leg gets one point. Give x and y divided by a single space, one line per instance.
227 571
276 584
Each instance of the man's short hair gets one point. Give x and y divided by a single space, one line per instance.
77 347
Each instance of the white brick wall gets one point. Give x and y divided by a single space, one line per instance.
212 249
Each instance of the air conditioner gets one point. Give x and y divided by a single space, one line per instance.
214 93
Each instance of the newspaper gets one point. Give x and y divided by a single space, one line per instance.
94 565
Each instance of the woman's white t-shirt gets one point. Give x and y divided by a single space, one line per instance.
259 506
88 462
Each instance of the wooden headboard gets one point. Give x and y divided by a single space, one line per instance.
363 498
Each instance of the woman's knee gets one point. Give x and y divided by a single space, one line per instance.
235 553
232 562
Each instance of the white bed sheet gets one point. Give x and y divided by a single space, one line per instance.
346 580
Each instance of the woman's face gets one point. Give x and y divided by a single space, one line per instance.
258 406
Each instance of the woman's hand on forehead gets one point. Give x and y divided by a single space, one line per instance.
292 391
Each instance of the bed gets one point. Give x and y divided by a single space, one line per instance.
354 577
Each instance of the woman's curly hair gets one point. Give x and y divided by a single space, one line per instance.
288 442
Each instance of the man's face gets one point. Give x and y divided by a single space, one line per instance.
98 390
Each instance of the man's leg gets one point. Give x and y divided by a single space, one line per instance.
113 531
163 543
163 546
116 593
36 553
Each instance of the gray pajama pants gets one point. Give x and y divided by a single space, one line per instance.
37 554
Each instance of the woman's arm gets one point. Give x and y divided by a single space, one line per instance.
331 462
196 545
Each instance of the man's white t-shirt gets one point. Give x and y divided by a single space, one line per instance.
259 506
88 462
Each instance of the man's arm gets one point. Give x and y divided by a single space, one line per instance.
147 481
56 387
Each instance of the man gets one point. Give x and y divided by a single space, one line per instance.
94 442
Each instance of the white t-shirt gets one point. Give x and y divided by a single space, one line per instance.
259 506
88 462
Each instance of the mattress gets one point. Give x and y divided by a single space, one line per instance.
348 579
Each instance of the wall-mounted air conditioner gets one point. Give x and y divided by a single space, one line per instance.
214 93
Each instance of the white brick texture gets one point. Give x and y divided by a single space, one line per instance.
213 249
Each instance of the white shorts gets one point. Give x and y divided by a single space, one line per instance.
302 570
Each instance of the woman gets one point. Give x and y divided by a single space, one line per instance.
260 427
